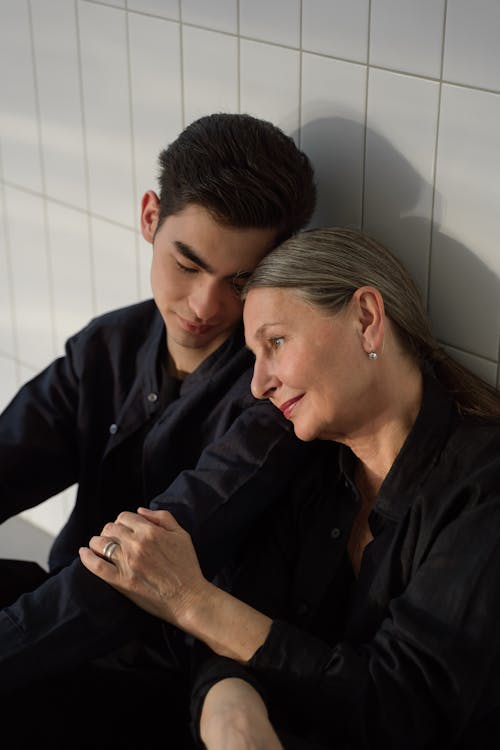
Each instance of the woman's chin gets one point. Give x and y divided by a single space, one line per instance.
304 433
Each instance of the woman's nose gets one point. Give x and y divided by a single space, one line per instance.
264 383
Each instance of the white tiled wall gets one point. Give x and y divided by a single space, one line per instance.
397 102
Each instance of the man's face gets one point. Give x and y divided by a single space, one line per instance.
196 269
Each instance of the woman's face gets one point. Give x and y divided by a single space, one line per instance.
311 365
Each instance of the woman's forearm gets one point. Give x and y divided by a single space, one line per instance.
155 565
234 716
227 625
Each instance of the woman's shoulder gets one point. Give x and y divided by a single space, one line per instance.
479 434
472 453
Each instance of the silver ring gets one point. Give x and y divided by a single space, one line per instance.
109 548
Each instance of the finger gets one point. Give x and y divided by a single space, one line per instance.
105 547
160 517
117 530
98 565
130 520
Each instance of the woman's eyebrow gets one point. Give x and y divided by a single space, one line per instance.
259 333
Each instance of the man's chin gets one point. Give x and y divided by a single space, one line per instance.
210 340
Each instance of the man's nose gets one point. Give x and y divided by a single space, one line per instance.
206 299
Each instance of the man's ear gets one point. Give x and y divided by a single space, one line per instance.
150 211
371 318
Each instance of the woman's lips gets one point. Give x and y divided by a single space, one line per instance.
289 405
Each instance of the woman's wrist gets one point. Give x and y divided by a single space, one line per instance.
227 625
198 608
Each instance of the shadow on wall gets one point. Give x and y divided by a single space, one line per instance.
393 202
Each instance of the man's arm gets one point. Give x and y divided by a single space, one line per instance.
38 451
75 616
70 618
237 479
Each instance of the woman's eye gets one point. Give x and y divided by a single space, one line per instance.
277 342
185 269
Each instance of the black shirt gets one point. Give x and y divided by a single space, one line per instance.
213 455
408 655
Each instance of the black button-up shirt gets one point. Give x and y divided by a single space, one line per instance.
407 655
108 418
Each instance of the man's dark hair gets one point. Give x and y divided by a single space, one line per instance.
244 171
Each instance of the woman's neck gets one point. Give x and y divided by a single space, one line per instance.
381 439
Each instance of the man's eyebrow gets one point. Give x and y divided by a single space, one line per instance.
187 252
191 255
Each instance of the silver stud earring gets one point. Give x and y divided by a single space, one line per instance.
372 355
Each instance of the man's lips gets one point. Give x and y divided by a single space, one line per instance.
196 328
288 406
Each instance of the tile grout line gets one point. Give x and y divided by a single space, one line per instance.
71 206
301 73
435 162
238 58
365 130
10 279
396 71
132 152
181 67
88 198
45 212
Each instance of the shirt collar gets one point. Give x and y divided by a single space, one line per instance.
419 454
216 360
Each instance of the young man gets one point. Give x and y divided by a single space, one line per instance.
151 404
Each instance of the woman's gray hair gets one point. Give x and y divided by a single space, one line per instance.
324 267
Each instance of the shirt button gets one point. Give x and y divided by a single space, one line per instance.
335 533
152 397
113 429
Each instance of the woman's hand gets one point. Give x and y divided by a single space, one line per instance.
153 563
150 559
234 717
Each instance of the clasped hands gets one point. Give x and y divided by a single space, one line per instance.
150 558
153 563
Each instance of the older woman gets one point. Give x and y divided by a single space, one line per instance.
366 614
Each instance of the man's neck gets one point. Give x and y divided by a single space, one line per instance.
183 360
173 370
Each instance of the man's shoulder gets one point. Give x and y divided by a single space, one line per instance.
139 314
123 335
123 322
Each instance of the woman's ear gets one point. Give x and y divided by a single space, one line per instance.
150 211
370 312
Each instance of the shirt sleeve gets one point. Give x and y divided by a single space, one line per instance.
38 448
75 616
237 478
264 581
